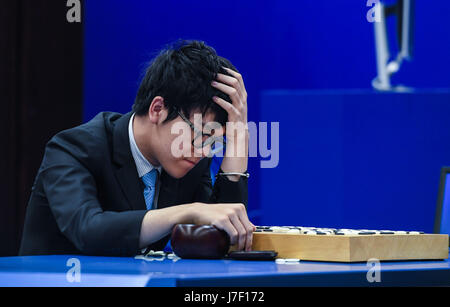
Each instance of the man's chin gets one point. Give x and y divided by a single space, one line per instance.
181 169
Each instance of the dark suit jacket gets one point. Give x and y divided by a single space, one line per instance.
87 197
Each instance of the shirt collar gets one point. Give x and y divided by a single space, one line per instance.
142 164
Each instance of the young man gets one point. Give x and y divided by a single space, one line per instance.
119 183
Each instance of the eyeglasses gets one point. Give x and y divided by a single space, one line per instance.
217 142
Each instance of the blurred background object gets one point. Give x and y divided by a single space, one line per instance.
40 94
387 64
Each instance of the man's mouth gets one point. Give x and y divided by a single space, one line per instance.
192 162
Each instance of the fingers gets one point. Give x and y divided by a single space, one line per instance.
232 85
230 91
235 223
226 225
239 219
238 77
248 238
232 218
249 228
233 82
231 110
242 233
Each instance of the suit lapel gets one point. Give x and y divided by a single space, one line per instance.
131 185
168 192
126 172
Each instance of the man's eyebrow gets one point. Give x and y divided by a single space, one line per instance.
204 124
213 124
210 122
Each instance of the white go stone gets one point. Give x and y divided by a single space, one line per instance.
294 231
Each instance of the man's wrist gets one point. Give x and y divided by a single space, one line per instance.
186 214
232 176
160 222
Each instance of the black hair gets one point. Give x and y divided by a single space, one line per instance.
182 74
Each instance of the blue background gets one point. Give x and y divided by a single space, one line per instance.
445 218
303 44
356 158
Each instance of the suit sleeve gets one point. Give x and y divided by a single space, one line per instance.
72 196
223 191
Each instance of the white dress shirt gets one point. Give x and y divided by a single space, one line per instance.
142 164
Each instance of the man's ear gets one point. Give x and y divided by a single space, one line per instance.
157 111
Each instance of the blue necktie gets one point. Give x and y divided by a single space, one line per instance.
149 180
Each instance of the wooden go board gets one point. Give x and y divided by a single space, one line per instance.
349 245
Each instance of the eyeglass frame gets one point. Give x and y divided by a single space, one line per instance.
198 133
